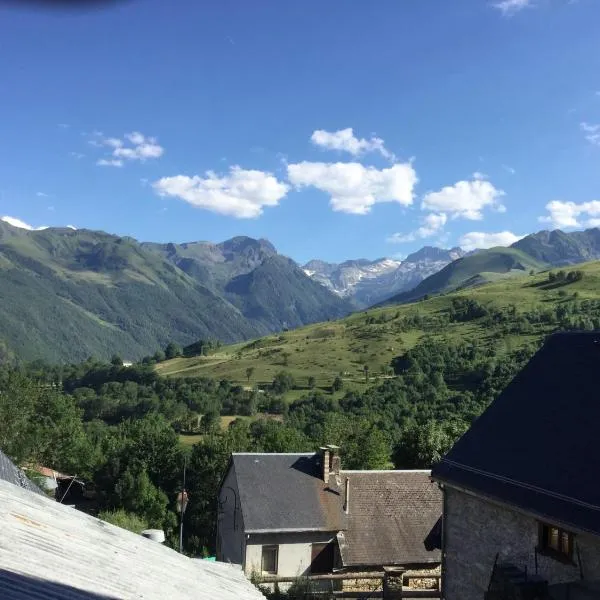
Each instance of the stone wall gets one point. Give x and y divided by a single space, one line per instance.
476 530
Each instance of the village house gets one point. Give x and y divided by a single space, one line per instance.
521 491
292 515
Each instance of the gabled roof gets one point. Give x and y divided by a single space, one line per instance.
536 446
391 513
285 492
52 551
10 473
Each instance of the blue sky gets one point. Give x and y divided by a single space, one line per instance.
335 129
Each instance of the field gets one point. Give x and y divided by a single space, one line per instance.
343 348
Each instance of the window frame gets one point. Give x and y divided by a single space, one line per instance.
269 548
559 553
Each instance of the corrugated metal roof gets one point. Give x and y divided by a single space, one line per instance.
52 551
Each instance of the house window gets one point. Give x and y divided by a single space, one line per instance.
321 559
270 555
556 542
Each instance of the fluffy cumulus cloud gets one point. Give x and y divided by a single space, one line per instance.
432 224
354 188
511 7
591 132
465 199
21 224
240 193
133 146
481 240
566 215
345 140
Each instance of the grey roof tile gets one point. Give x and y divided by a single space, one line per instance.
285 491
536 446
391 514
10 473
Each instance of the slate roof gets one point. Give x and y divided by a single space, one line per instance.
536 446
286 492
391 514
10 473
52 551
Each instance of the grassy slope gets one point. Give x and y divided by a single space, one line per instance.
325 350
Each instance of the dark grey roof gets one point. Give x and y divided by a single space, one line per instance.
52 551
286 492
536 446
12 474
391 514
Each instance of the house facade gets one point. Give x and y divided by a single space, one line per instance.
293 515
521 492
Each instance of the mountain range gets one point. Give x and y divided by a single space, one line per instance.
366 282
68 294
535 252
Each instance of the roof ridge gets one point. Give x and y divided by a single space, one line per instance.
273 453
374 471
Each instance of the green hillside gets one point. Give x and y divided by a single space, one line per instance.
508 313
66 295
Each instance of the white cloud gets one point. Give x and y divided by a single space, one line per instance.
21 224
568 214
509 169
109 162
592 133
479 175
241 193
465 199
479 239
133 146
511 7
345 140
355 188
432 224
76 154
42 195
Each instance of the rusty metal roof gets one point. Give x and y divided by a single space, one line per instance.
52 551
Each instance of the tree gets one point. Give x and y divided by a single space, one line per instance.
422 446
124 520
116 361
211 422
249 373
173 350
366 370
286 358
337 384
312 382
283 382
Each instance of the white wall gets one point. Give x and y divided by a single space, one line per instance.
230 530
295 551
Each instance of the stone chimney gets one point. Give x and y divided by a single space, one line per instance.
335 461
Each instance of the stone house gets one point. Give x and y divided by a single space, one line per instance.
521 492
293 515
